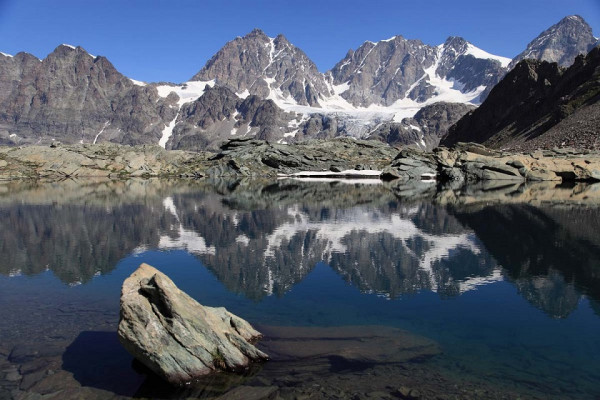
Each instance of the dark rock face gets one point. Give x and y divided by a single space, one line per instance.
72 96
533 98
175 336
560 43
219 114
398 68
261 65
425 129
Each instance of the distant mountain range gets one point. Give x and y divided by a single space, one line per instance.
397 90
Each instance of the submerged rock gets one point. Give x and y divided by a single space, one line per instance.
175 336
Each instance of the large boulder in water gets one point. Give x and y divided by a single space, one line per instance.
175 336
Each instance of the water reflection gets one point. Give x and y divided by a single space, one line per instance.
261 240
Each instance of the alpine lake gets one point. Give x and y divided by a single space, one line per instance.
362 290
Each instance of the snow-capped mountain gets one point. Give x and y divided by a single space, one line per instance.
274 91
397 69
266 67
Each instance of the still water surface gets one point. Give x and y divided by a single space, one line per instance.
509 293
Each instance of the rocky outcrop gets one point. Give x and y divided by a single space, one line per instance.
469 163
266 66
425 129
100 160
236 158
176 337
334 158
259 158
560 43
533 99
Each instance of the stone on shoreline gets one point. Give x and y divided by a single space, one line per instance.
175 336
471 162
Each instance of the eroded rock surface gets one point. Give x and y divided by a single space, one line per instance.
175 336
470 162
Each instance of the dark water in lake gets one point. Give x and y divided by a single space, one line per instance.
508 291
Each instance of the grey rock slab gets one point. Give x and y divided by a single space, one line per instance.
352 344
175 336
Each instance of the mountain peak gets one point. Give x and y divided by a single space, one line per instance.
256 32
455 40
573 18
560 43
456 43
267 67
65 49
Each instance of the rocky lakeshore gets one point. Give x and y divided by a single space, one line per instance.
238 158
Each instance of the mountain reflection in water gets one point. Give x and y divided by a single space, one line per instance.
261 240
465 271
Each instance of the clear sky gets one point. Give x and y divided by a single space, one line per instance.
153 40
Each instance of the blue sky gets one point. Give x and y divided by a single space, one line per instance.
171 40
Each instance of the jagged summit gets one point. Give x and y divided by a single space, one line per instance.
407 69
268 67
560 43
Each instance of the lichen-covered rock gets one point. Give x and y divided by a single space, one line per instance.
175 336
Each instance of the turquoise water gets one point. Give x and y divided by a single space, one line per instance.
510 292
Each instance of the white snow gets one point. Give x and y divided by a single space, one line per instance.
244 94
348 181
347 172
137 83
416 128
188 91
243 239
12 135
187 239
167 132
6 55
474 282
478 53
101 130
339 89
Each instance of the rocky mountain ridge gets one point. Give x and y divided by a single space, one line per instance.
375 91
560 43
259 65
526 110
76 97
